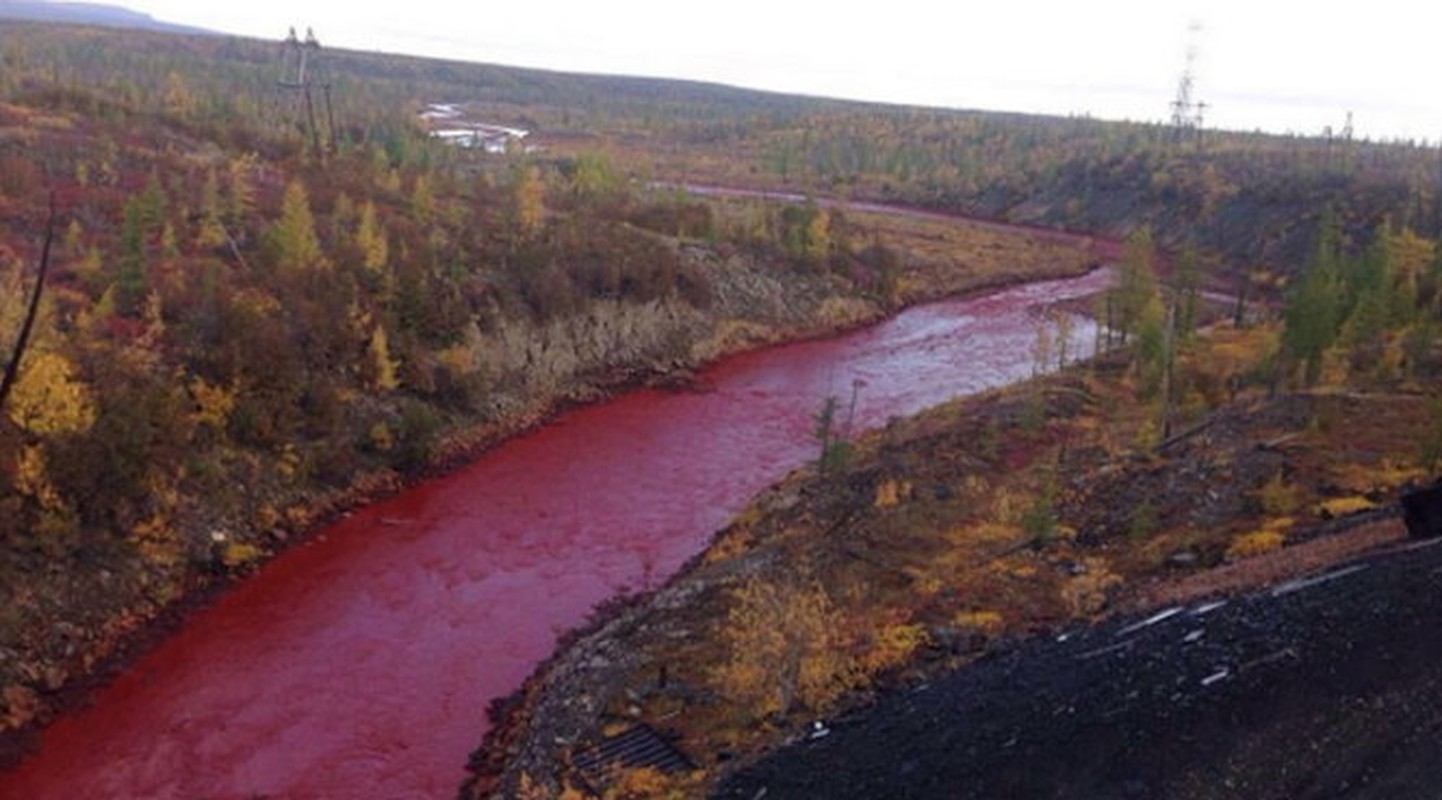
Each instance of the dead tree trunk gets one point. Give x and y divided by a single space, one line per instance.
12 368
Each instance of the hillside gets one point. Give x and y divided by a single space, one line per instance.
1245 201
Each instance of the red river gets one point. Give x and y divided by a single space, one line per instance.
360 665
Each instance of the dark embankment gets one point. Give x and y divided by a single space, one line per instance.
1318 688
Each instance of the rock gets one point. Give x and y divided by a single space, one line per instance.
1135 788
1422 511
18 706
1184 559
54 677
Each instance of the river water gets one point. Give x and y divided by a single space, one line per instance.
360 664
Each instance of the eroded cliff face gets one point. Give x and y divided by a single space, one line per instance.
554 357
576 357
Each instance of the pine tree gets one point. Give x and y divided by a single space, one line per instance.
817 235
1137 285
1313 311
382 367
592 176
372 240
1152 351
1188 291
211 232
423 201
293 237
240 197
178 97
527 200
130 277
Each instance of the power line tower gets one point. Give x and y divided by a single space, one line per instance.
1188 113
302 72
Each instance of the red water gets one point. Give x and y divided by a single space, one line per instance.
360 665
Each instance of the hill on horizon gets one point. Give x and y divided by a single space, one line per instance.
108 16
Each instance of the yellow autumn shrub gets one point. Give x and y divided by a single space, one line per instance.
782 646
988 622
48 398
1344 506
1089 591
1279 497
892 646
1267 539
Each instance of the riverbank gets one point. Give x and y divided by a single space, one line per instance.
746 319
1305 689
955 535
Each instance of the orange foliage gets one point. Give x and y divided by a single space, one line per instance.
783 646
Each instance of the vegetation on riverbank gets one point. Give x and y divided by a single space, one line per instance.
1178 466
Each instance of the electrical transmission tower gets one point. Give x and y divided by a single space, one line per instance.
1187 112
302 72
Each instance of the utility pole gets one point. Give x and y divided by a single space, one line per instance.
302 72
1187 111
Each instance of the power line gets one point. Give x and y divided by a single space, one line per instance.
302 72
1188 113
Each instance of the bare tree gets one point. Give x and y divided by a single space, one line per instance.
12 368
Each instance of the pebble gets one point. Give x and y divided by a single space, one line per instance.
1185 558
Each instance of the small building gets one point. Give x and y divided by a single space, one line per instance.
446 121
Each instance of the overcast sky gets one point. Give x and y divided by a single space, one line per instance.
1278 66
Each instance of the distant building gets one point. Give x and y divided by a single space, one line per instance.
446 121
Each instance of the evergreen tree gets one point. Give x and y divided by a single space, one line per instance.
130 280
372 240
527 200
1137 285
1313 311
1188 291
293 239
382 367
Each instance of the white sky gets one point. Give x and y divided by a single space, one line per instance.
1275 65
